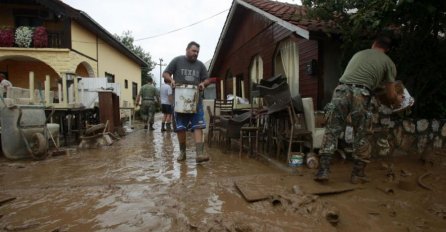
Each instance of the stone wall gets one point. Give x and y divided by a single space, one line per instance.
399 131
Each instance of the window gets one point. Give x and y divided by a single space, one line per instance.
110 77
134 90
240 85
126 84
256 72
227 85
28 17
287 63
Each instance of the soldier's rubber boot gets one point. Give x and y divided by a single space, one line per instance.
182 155
358 176
168 127
151 126
162 127
324 168
201 155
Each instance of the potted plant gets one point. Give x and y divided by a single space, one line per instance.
6 37
23 36
40 37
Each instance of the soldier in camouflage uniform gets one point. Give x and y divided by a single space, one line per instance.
366 70
150 96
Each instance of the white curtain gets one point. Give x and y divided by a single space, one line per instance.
256 69
256 72
289 53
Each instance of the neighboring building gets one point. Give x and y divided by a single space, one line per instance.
76 44
262 39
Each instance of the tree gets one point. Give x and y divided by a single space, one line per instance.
417 26
127 39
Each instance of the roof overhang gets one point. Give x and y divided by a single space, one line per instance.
90 23
298 30
291 27
85 20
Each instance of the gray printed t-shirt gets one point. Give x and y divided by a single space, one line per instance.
186 72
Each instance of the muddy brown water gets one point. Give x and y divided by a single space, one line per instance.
136 184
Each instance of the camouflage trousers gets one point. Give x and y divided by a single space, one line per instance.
148 110
348 107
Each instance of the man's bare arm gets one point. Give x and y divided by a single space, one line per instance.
392 96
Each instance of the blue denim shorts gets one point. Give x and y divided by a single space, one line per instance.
184 121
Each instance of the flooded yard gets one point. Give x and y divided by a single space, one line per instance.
136 184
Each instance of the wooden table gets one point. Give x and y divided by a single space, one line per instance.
71 120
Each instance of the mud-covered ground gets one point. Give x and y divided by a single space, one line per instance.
136 184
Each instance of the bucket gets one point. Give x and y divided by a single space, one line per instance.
186 99
297 159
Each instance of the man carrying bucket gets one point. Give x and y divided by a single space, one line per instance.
188 71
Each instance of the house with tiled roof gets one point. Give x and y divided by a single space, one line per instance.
262 39
69 41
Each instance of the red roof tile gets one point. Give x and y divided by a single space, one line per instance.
292 13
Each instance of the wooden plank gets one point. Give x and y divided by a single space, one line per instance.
327 189
257 187
252 191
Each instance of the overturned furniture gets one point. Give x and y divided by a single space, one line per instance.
286 124
97 135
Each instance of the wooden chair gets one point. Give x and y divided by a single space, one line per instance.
211 126
254 129
276 98
231 127
223 112
252 133
298 133
288 127
223 108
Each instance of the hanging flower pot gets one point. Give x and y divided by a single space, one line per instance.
6 37
40 37
23 36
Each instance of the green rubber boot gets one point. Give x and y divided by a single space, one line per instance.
201 155
182 155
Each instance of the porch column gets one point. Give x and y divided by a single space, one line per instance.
47 90
31 86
